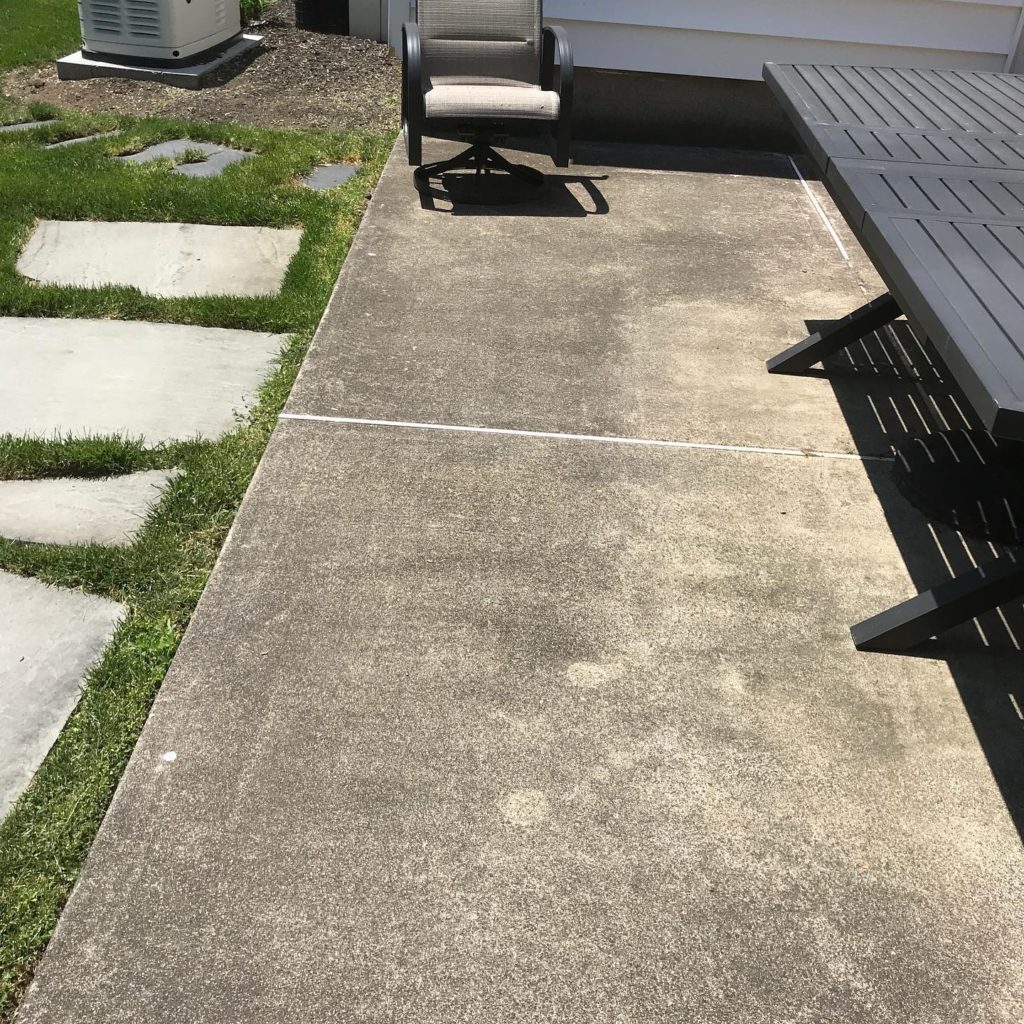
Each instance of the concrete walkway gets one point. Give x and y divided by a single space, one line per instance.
509 724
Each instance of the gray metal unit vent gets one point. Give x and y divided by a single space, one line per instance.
104 16
138 19
143 18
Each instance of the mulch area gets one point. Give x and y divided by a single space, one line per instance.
298 80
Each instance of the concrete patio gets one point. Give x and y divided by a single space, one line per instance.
523 689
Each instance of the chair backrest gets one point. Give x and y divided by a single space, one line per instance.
479 41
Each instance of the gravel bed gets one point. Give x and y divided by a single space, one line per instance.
298 80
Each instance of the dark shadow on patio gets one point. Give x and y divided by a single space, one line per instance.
564 195
984 657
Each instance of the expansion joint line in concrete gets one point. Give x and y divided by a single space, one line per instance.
820 211
641 442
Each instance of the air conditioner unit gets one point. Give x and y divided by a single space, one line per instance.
159 33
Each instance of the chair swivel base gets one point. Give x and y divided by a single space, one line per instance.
494 181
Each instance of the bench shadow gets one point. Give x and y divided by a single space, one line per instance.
564 195
895 379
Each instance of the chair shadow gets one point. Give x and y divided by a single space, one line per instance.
564 195
895 380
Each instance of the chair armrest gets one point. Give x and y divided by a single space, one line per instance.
413 108
557 49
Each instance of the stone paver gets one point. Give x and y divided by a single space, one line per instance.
331 176
70 511
213 166
156 381
82 138
165 260
217 157
24 126
49 637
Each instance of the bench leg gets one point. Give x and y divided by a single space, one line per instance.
875 315
958 600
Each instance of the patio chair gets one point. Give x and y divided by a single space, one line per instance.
483 70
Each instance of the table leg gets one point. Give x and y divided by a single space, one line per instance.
949 604
802 356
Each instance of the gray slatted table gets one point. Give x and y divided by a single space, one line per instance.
960 102
927 167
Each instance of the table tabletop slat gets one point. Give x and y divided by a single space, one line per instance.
898 98
957 280
928 169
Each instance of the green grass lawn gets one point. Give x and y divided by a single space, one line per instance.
36 30
161 576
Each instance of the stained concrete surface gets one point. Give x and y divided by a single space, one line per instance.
49 637
331 176
166 260
216 158
473 727
156 381
653 319
108 511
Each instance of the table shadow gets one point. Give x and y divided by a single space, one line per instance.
895 379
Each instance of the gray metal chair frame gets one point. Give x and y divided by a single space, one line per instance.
452 36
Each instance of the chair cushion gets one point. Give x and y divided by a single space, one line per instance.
491 101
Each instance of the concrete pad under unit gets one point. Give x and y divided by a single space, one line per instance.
49 638
216 158
70 511
160 382
77 66
165 260
472 728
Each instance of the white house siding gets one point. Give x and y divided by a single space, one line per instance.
734 38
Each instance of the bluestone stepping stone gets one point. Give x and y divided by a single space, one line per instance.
213 166
25 126
331 176
70 511
156 381
49 638
217 157
82 138
165 260
169 151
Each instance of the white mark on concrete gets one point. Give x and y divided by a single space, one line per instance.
820 210
591 675
1016 707
171 755
642 442
524 807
